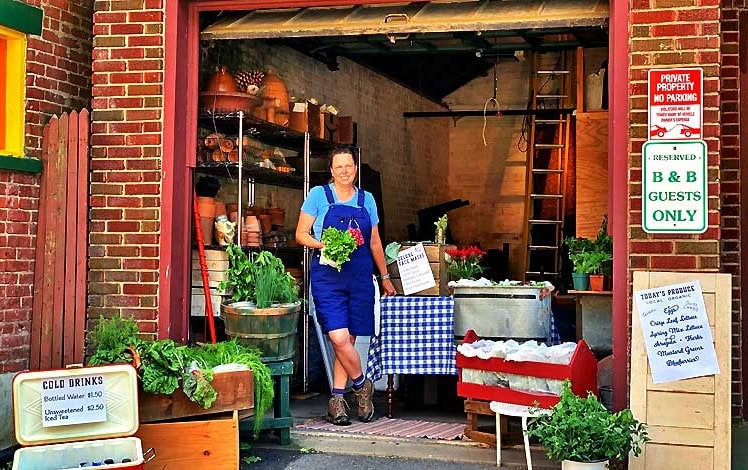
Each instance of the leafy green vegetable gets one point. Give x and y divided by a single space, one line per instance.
110 339
260 278
197 386
251 459
339 244
231 352
163 366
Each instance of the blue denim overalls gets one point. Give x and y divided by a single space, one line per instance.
345 299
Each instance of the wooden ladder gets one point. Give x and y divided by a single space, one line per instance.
547 160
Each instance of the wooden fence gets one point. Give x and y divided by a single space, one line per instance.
59 308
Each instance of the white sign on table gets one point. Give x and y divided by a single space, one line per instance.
676 103
674 187
73 400
415 270
676 332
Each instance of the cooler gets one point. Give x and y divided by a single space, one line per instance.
69 417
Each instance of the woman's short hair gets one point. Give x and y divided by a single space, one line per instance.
342 149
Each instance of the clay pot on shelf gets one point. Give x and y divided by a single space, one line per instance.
206 223
221 81
252 223
220 208
265 223
274 88
277 215
206 206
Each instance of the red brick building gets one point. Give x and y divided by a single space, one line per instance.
143 88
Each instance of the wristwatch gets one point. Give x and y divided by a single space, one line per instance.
385 276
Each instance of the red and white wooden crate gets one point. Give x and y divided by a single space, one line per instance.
66 417
581 371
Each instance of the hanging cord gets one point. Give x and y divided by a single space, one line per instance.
491 100
522 140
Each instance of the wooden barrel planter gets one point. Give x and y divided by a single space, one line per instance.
271 330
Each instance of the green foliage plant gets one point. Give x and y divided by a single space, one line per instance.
110 340
260 278
583 430
592 256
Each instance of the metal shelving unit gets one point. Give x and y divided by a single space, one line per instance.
278 136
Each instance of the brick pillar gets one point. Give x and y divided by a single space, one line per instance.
58 70
127 125
674 33
730 181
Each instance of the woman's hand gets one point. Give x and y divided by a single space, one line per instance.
388 288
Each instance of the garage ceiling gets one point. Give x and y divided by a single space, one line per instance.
431 48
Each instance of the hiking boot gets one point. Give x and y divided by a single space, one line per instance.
336 411
364 401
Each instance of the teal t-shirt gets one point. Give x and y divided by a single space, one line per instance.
317 206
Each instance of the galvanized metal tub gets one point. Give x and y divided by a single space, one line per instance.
502 312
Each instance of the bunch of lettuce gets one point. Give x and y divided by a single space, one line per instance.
339 244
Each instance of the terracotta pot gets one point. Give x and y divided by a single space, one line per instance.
232 207
252 224
277 215
206 206
274 88
206 223
597 281
233 216
222 81
220 208
265 223
254 210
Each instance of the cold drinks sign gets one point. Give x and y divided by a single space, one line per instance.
675 104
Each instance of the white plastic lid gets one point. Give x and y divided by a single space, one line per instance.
120 387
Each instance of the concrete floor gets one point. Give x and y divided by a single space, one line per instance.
407 406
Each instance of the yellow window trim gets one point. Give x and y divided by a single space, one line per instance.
15 92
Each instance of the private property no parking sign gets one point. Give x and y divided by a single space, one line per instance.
676 102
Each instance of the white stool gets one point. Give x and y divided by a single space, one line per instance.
510 409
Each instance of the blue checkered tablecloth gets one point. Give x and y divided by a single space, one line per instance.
416 337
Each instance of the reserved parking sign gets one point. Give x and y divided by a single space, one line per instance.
676 102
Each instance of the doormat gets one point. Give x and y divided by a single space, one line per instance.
392 427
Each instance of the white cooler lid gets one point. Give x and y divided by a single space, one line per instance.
72 395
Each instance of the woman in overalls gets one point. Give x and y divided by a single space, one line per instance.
344 301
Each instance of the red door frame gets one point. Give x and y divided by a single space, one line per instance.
618 157
181 89
743 175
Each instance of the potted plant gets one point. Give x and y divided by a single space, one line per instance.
584 435
580 250
464 263
597 260
264 309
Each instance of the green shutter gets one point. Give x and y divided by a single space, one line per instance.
20 17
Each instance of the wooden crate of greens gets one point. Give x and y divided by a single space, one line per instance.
235 390
435 255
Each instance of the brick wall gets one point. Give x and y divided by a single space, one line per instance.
58 79
491 176
126 139
672 33
730 180
19 198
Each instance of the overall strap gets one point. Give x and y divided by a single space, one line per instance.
328 193
361 195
